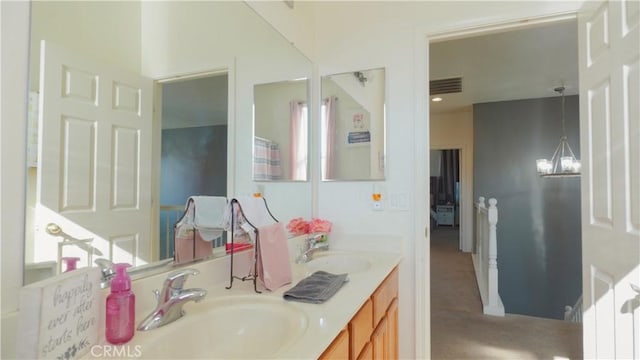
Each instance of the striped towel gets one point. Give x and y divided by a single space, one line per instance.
266 160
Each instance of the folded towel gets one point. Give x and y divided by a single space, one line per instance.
316 288
191 246
208 215
274 266
254 210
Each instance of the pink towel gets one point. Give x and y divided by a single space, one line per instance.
189 247
274 267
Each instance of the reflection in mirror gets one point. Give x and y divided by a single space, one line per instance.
113 34
281 131
194 149
353 126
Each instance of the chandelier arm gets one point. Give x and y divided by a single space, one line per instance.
564 133
554 159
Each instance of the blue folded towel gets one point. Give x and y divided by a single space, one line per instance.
316 288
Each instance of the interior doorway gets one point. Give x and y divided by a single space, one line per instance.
194 137
444 193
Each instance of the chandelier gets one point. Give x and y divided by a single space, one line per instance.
563 163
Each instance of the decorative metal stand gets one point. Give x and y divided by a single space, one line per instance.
249 277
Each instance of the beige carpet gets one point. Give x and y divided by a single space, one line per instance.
459 330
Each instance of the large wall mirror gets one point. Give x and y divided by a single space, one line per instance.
281 131
202 60
353 125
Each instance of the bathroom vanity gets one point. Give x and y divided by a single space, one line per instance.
359 322
373 332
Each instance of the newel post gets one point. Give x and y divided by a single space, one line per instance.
493 254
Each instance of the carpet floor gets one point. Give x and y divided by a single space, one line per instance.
459 330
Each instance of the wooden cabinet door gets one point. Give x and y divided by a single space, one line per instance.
367 352
360 329
380 341
339 348
392 329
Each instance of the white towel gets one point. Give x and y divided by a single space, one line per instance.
254 210
209 215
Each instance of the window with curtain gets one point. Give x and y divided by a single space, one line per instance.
327 138
298 143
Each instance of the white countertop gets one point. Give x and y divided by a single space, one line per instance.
324 321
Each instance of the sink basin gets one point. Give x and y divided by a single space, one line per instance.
229 327
338 263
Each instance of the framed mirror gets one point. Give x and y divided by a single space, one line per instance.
281 131
353 126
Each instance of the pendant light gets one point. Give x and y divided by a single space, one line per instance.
563 163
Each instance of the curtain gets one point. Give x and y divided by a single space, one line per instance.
449 177
328 136
298 148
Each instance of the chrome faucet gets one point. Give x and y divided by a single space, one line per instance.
171 299
106 268
312 243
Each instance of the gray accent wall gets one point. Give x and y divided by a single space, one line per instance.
194 162
539 229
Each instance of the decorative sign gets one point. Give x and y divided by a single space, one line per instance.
356 137
59 316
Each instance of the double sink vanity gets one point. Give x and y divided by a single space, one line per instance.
358 322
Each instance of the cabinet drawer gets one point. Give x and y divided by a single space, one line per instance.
360 329
384 295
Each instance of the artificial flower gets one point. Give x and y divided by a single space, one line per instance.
319 225
299 226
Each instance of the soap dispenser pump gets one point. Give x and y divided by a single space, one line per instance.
120 316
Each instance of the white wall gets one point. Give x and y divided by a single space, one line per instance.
351 36
454 130
88 28
188 37
295 24
14 33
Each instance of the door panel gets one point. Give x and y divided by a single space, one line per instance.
95 150
609 133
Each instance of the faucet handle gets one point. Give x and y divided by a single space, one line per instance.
176 279
106 268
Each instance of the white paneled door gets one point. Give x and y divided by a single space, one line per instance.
93 177
610 146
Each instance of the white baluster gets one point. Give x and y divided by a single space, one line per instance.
494 297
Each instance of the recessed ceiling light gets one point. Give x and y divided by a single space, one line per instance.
436 99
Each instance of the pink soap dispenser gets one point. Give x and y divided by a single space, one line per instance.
70 263
121 304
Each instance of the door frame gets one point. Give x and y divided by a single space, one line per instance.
465 166
156 150
423 40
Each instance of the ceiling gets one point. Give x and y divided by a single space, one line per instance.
518 64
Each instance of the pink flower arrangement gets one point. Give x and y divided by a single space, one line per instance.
299 226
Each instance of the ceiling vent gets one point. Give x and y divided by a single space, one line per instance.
445 86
